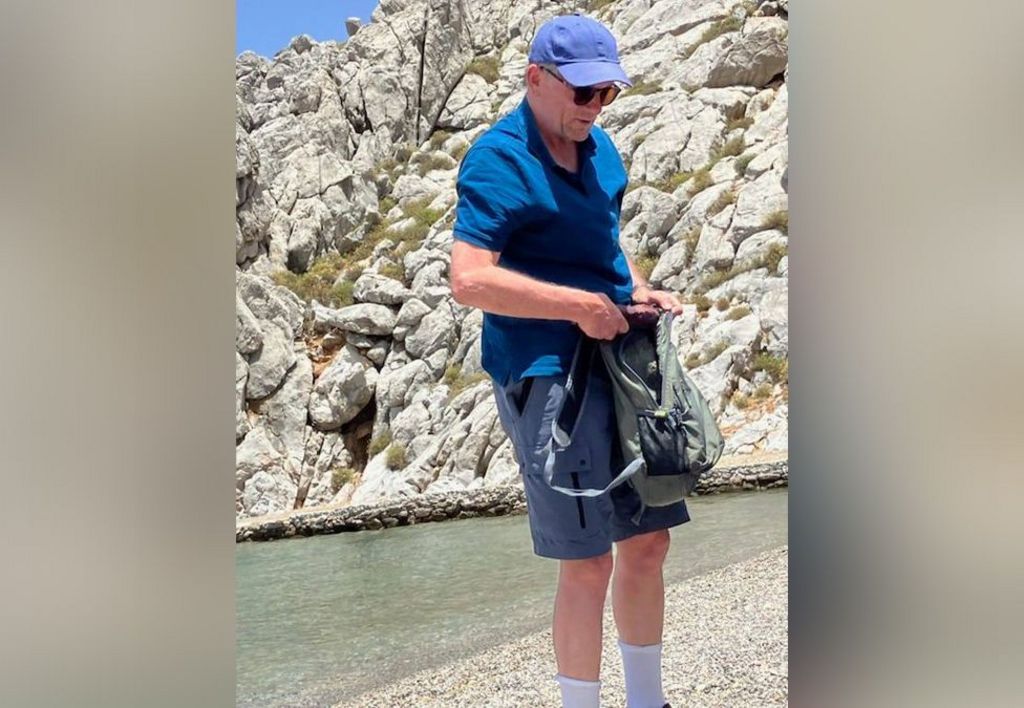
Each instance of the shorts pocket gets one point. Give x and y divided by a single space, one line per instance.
572 468
519 395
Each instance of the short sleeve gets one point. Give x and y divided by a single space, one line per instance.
493 198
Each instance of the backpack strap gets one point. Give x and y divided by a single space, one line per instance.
567 417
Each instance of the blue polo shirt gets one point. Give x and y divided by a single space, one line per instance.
547 223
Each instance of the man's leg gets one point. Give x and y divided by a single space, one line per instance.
638 587
638 602
579 610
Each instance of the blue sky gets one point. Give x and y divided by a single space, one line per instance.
266 26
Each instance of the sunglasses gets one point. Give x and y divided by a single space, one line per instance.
582 95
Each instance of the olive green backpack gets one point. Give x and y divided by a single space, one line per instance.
668 437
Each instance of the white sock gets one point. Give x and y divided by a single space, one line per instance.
579 694
642 669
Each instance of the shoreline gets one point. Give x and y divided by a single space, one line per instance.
725 644
731 475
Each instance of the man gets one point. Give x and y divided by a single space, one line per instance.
536 247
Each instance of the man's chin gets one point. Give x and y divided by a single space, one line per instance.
581 132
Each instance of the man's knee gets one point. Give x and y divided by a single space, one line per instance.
593 572
645 552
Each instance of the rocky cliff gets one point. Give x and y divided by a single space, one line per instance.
357 376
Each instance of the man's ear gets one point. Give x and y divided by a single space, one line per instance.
533 77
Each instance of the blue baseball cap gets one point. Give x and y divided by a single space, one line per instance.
583 50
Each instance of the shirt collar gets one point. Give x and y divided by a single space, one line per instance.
536 143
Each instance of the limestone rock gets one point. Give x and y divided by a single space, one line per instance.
248 337
713 249
468 106
755 57
669 17
241 374
269 365
284 413
268 301
342 390
649 215
376 288
754 203
366 318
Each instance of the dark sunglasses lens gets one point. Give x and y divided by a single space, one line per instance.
609 94
585 94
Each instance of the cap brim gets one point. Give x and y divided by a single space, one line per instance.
589 73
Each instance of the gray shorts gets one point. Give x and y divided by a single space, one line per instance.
562 526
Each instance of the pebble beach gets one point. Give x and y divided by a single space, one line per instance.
725 644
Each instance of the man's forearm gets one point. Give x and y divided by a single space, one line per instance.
506 292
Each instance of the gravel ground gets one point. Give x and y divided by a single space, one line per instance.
725 644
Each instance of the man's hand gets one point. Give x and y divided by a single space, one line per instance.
601 318
644 295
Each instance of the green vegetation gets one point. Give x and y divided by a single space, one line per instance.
740 400
406 238
317 283
742 123
380 443
451 374
738 312
724 199
722 303
395 271
386 204
741 163
386 167
458 152
769 259
691 238
421 213
763 391
672 182
715 351
459 382
777 220
430 162
732 148
396 456
365 248
487 67
438 138
643 88
776 367
639 140
404 152
340 477
702 302
717 29
692 360
596 6
645 264
701 181
715 278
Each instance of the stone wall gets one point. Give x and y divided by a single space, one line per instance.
500 501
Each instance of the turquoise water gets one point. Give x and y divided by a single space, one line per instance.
322 618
